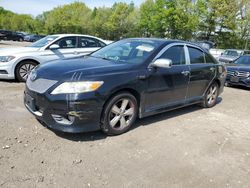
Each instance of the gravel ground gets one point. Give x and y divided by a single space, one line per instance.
190 147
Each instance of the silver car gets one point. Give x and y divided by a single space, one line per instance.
229 55
17 63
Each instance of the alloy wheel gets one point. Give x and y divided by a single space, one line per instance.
25 70
121 114
212 95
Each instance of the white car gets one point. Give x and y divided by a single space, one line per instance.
17 63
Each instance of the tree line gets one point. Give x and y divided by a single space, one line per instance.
225 22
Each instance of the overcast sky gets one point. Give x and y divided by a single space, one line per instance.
35 7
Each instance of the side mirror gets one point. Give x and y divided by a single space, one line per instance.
222 53
162 63
54 47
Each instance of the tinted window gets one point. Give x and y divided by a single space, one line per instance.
176 54
196 55
85 42
67 42
209 59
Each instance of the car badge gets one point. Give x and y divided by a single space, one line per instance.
236 73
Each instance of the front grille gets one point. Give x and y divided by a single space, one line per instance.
40 85
242 74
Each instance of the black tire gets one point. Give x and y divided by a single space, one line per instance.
228 85
120 114
211 96
21 73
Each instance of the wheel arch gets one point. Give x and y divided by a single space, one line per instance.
216 80
23 60
132 91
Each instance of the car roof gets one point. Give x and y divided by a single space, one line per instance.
169 41
238 50
77 35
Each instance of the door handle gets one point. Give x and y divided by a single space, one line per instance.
76 53
142 77
185 73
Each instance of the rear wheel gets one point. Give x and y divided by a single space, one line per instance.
119 114
211 96
23 70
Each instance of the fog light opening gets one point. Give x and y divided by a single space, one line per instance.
69 120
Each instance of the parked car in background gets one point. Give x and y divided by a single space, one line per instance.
216 53
18 62
33 38
11 35
206 44
108 89
232 54
238 72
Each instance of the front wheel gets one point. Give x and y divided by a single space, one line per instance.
119 114
211 96
23 70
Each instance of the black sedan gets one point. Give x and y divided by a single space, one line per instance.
239 72
113 86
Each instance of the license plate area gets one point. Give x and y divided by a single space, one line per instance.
30 102
234 79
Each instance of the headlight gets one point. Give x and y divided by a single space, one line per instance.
77 87
6 58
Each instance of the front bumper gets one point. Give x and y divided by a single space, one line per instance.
67 113
6 71
238 81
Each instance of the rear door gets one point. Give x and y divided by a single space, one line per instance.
167 87
202 72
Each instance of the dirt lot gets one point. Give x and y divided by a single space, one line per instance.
191 147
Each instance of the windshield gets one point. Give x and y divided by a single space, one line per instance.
231 53
243 60
43 42
128 51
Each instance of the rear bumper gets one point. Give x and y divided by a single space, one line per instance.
66 113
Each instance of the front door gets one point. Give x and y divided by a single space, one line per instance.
167 87
67 49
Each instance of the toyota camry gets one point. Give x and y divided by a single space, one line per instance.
129 79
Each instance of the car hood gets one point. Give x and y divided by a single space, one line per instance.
228 57
238 67
79 68
13 51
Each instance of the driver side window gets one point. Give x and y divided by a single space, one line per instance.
176 54
67 42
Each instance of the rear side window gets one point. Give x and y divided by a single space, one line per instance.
176 54
85 42
209 59
196 55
